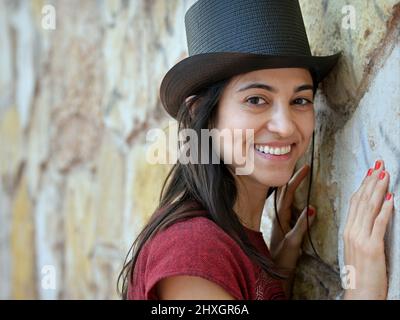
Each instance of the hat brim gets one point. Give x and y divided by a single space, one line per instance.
194 72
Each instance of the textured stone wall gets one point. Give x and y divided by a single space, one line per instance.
76 103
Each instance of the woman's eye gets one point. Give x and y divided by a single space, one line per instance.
254 100
302 101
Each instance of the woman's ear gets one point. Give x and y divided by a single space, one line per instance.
191 105
187 100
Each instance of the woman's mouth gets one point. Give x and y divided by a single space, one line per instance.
268 153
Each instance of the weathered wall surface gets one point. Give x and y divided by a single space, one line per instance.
358 123
76 103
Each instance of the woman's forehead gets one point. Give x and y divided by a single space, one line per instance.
295 75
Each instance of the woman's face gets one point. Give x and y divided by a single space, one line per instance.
278 105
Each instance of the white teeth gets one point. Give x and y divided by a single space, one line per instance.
275 151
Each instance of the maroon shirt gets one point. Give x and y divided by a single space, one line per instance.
199 247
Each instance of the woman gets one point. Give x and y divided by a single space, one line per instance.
249 68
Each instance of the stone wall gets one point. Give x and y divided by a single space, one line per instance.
76 103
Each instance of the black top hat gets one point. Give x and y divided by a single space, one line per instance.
229 37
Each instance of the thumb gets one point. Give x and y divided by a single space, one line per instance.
299 230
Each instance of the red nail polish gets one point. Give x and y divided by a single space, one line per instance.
382 175
370 170
388 196
310 212
377 165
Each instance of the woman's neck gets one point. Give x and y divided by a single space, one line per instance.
250 202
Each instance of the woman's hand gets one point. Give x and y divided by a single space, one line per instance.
291 235
285 247
369 214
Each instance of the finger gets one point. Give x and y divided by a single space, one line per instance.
364 199
294 183
382 220
296 235
281 193
352 212
377 198
356 199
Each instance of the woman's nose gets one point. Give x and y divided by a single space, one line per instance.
281 121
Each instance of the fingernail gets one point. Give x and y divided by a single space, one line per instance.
388 196
370 170
310 212
377 164
382 175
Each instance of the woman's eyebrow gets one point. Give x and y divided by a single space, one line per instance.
258 86
267 87
304 87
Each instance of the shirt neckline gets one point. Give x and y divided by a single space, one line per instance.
255 232
252 231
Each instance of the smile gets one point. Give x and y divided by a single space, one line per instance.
282 154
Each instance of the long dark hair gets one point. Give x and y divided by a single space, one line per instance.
211 186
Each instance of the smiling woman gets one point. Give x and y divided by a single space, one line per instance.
204 240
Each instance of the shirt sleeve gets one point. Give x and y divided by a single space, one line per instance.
195 247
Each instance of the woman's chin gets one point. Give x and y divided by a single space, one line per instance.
271 181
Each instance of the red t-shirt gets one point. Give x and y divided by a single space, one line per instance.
199 247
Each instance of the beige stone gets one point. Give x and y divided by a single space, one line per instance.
22 245
11 138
